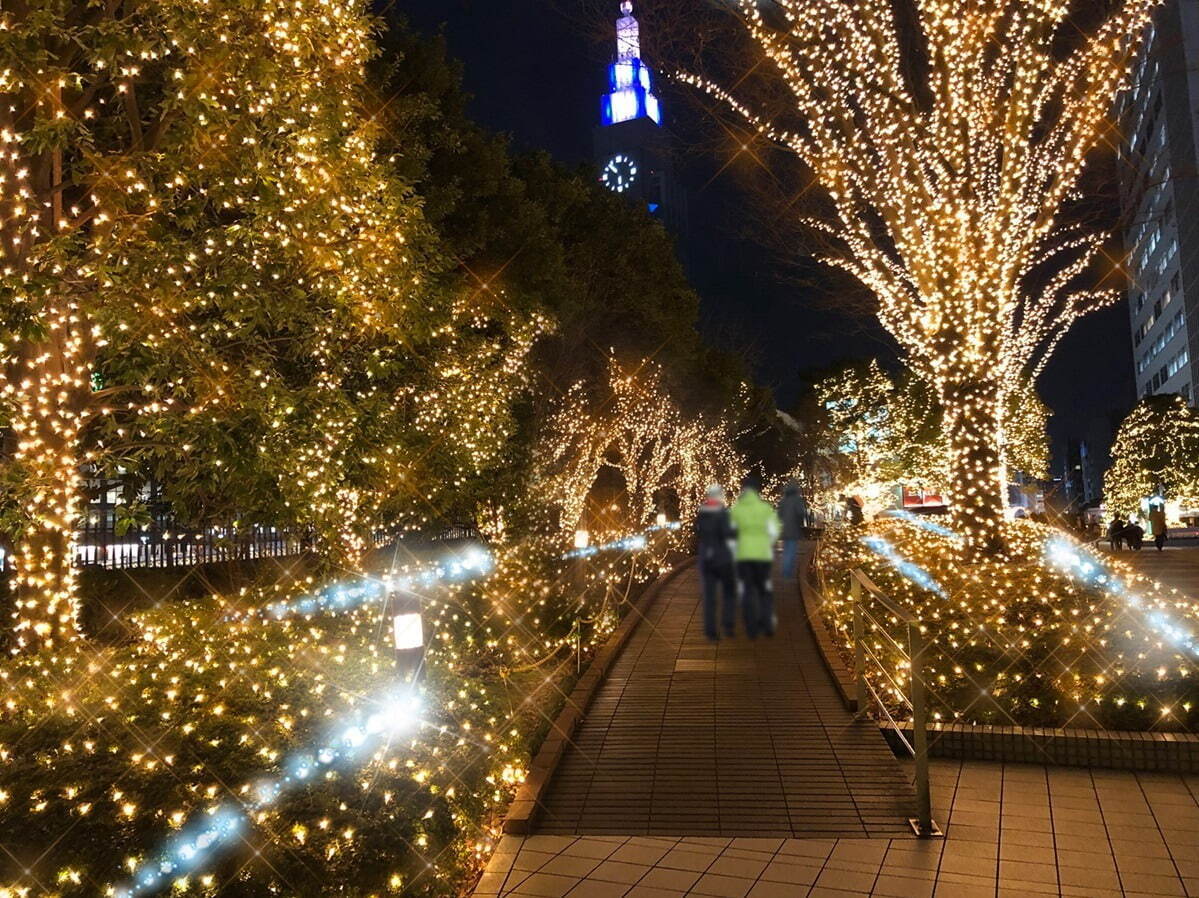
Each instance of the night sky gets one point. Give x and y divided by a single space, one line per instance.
536 76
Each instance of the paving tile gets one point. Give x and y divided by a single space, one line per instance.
642 891
548 885
616 871
763 889
675 787
722 886
593 889
663 750
663 878
891 885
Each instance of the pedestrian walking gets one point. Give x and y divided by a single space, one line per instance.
793 513
1157 525
1115 533
853 509
714 535
757 527
1134 535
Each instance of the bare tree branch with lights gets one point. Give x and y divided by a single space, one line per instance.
949 136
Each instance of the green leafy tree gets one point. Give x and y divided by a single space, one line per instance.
192 215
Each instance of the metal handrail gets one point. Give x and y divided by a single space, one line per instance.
923 824
904 615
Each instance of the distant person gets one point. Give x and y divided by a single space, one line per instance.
853 509
1115 533
1157 525
714 535
757 528
1134 535
793 512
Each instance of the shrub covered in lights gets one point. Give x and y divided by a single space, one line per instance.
263 743
1056 637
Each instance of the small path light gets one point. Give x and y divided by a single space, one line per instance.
408 631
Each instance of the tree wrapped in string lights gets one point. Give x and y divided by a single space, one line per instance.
632 424
1156 454
876 432
949 137
204 266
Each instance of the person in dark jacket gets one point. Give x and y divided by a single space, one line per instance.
793 512
1134 535
1115 533
853 510
714 535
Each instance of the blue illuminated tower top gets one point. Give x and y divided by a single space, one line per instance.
630 82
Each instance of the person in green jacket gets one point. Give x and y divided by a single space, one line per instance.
757 526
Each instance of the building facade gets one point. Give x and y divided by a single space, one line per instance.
631 147
1159 194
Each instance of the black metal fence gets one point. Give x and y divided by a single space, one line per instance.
108 537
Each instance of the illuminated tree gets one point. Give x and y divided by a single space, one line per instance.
195 236
879 431
948 147
632 424
1156 454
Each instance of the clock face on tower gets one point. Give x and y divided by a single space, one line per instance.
620 173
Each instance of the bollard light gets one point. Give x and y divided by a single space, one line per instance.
408 631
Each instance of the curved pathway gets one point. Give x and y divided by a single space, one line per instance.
740 738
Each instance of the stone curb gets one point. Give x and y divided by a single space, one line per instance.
842 675
526 806
1109 749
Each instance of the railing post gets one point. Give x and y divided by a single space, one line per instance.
923 823
859 655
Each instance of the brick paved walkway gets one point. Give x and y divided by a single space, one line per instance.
1012 831
1176 566
687 738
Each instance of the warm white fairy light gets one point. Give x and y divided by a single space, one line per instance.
945 200
1156 454
878 432
207 270
633 425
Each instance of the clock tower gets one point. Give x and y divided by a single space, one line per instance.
630 145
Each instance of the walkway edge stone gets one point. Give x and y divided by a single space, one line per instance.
841 675
1063 747
525 807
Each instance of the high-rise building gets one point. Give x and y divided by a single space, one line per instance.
631 149
1160 198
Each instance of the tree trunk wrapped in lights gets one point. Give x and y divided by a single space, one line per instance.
949 136
189 202
48 396
977 475
633 425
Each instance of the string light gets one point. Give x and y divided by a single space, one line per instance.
210 276
944 197
1055 636
632 425
879 433
1156 454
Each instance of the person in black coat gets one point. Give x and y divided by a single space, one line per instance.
1134 535
714 536
793 512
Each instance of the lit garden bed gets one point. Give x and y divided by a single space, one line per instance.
248 748
1058 636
